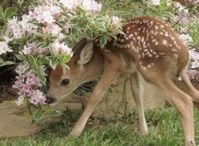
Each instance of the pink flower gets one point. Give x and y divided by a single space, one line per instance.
51 29
19 82
182 19
42 14
194 56
70 4
28 48
32 80
193 74
31 48
27 85
37 97
40 50
15 28
25 89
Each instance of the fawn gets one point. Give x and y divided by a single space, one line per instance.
148 47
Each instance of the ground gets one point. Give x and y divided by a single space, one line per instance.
164 130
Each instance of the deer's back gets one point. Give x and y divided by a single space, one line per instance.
152 44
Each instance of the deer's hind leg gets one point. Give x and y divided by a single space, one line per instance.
182 102
137 88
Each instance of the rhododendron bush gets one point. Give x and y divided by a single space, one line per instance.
44 36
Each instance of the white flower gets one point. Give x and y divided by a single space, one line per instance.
155 2
115 21
25 21
22 69
60 48
52 29
178 6
194 57
70 4
26 24
7 39
168 2
91 5
55 10
4 47
20 100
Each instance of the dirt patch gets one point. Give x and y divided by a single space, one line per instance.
15 121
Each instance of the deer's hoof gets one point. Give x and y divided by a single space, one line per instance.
74 135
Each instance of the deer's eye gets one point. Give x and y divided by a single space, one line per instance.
65 82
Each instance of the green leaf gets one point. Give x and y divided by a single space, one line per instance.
32 62
103 40
1 13
36 116
52 112
9 12
53 63
163 3
20 57
41 77
1 60
6 63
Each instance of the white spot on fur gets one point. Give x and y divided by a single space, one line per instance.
156 43
164 42
156 27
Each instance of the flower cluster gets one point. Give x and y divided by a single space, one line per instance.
183 18
20 28
193 75
31 48
60 48
27 85
194 55
90 6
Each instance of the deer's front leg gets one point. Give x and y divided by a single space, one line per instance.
111 72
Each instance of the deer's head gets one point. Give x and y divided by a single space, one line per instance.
84 65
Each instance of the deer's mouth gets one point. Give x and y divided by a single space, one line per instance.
50 100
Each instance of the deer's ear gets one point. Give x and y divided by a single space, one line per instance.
86 54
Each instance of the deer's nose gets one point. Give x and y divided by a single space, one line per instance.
50 100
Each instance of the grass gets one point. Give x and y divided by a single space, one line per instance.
164 130
194 29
